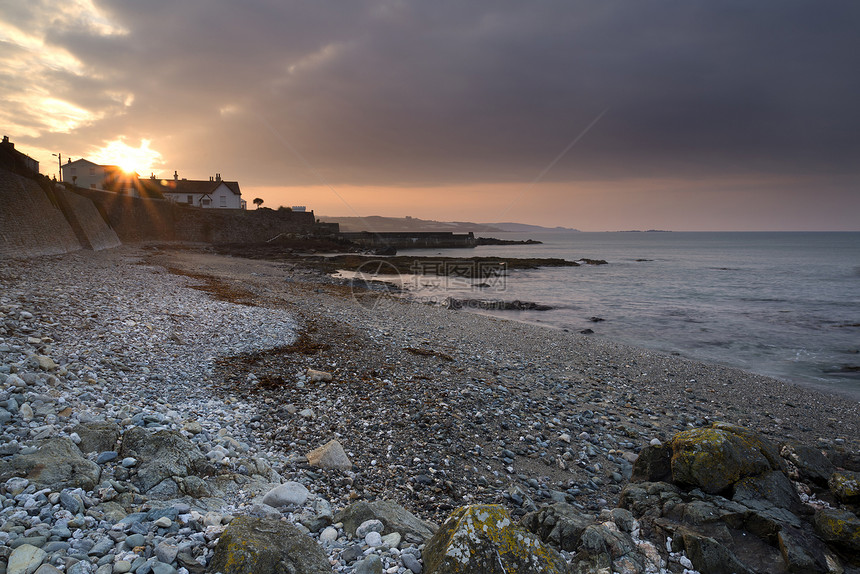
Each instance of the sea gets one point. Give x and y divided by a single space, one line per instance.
786 305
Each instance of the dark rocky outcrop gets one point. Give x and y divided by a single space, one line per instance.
254 545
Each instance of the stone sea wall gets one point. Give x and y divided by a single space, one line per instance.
137 219
31 221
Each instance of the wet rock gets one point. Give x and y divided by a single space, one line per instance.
253 545
329 456
561 525
57 463
483 539
394 518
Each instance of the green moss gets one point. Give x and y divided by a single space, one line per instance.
483 538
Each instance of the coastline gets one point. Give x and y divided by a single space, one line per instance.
435 408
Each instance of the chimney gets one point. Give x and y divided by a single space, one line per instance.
211 178
175 175
217 177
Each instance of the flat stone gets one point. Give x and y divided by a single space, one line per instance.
285 494
25 559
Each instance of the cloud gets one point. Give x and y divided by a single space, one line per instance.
388 92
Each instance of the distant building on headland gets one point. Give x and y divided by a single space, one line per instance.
213 194
17 157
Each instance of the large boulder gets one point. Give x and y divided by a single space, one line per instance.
254 545
482 539
162 455
97 436
394 518
715 458
561 525
57 464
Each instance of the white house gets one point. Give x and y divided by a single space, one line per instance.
213 194
84 173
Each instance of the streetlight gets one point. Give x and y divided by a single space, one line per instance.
59 157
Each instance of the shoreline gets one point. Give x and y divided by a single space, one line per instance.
434 408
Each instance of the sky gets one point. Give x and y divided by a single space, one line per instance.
597 115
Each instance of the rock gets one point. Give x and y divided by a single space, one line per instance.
838 527
773 487
166 553
845 486
412 563
330 456
373 539
391 540
25 559
802 552
318 376
97 436
253 545
286 494
715 458
711 557
604 547
48 569
372 525
653 464
57 464
26 412
329 534
482 539
370 565
394 518
810 462
162 454
561 525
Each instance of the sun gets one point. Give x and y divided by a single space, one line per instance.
130 159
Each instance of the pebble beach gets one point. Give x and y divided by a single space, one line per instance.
257 363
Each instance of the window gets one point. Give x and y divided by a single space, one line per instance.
206 201
92 171
223 201
189 200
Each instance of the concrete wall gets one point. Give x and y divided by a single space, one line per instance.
90 228
31 222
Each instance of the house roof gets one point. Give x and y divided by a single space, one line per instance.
194 186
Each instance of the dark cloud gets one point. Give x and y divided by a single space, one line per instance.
416 93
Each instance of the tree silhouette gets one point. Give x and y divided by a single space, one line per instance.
258 202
